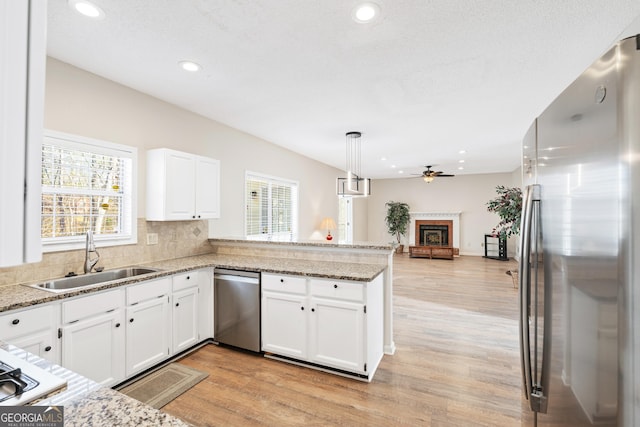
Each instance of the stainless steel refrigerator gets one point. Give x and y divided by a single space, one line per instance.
580 249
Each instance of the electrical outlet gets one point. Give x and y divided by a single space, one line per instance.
152 238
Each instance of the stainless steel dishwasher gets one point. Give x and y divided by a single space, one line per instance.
237 308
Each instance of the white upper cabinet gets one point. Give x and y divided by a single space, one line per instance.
181 186
22 75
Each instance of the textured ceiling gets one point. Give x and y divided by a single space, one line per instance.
425 80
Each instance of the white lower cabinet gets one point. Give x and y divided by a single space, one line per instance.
112 335
148 324
93 336
185 311
284 324
337 334
337 324
33 329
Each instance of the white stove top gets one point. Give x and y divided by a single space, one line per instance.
47 382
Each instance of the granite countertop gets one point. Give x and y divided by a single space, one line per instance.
312 243
87 403
20 296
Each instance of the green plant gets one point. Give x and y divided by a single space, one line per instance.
397 218
508 205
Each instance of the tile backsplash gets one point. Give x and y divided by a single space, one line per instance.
176 239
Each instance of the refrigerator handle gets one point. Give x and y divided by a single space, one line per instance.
524 287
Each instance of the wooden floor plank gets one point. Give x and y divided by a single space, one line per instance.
456 363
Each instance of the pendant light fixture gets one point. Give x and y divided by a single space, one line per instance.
354 184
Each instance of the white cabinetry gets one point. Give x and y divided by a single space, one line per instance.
112 335
284 315
22 76
192 308
337 324
337 328
185 311
33 329
92 336
181 186
148 327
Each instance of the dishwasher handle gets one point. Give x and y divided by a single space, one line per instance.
235 278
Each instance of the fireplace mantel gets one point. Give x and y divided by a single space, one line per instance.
436 216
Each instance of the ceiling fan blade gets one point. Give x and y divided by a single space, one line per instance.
444 175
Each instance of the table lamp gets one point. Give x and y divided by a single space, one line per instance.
327 224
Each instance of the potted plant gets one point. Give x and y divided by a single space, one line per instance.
397 220
508 205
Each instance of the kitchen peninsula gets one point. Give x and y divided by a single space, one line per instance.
320 258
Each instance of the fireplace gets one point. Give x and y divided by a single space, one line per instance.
434 235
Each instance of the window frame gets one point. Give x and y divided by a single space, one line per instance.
295 207
129 201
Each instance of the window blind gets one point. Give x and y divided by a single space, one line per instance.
271 207
85 187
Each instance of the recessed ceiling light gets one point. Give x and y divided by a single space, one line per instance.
383 158
460 168
189 66
365 12
462 151
400 171
460 161
393 166
86 8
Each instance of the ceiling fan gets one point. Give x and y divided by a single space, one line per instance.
429 175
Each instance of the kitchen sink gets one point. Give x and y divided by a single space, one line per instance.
86 280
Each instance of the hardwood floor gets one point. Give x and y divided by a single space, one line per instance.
456 363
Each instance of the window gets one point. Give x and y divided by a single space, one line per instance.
87 184
271 207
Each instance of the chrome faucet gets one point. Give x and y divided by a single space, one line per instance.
89 262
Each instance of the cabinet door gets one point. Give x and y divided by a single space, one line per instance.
284 324
180 186
34 329
337 334
22 75
94 348
148 334
207 187
185 319
41 344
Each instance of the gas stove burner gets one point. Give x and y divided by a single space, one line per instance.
13 382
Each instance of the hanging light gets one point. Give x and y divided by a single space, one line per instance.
427 178
354 184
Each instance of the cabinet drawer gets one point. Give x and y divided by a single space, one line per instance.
91 305
26 321
337 289
148 290
284 283
185 280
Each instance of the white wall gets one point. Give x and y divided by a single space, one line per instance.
467 194
82 103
